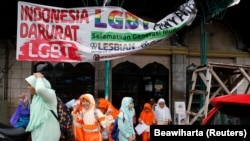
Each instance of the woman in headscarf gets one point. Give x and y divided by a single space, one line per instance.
88 120
111 113
125 120
42 125
147 117
162 113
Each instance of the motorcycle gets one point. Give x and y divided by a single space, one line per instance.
14 134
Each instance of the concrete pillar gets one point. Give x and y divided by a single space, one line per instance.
178 82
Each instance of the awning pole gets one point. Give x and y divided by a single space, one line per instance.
107 66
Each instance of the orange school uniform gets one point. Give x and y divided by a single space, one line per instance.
148 118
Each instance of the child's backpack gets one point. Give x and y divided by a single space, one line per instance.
64 118
115 130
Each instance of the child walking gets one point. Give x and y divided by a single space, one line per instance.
147 117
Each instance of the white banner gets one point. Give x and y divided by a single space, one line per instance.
86 34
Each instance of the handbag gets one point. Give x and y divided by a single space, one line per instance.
21 116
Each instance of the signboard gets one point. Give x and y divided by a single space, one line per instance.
46 33
180 113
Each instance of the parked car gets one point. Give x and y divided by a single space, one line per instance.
230 109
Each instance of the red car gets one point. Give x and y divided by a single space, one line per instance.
231 109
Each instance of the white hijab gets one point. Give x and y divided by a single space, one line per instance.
162 114
91 115
88 115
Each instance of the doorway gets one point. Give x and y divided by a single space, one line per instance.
141 84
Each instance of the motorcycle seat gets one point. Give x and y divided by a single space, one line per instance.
13 131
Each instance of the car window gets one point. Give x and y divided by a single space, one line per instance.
231 115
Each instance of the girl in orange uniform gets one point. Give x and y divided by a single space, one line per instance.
88 121
147 117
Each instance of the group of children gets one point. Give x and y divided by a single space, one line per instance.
91 118
154 114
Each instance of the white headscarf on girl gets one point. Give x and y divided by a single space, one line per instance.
162 114
90 117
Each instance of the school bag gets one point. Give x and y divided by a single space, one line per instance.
64 117
115 129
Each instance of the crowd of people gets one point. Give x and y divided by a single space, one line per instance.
92 118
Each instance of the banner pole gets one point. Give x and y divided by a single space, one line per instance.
107 67
107 72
